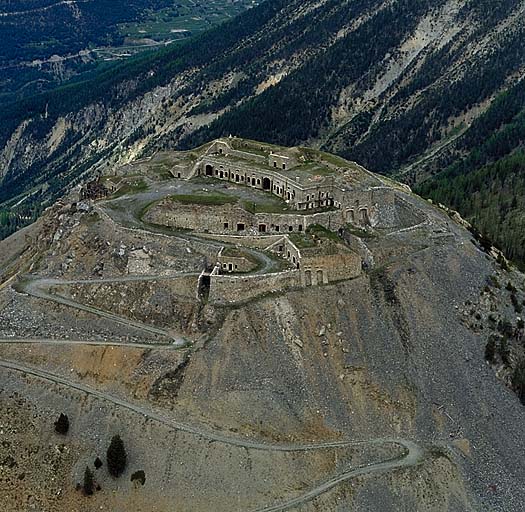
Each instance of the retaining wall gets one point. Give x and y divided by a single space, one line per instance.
231 289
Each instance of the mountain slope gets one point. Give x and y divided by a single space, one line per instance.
373 392
398 86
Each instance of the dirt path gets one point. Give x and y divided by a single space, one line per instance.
39 288
49 341
413 455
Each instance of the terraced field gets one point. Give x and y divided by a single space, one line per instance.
187 17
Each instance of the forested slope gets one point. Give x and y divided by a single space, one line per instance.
487 185
403 87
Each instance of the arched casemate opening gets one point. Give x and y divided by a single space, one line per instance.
209 170
266 184
363 214
308 278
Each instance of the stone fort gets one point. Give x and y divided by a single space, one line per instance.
311 189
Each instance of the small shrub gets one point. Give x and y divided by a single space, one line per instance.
493 281
520 324
98 463
490 349
502 262
505 328
139 476
116 457
518 381
510 287
504 351
89 483
62 424
516 303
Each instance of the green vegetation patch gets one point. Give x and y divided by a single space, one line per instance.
316 230
132 187
302 241
237 252
360 233
314 169
265 206
204 198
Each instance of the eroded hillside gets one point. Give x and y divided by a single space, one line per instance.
254 390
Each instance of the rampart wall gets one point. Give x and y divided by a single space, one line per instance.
231 289
228 219
235 263
322 269
256 242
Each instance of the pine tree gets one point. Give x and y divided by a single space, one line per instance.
116 457
89 483
62 424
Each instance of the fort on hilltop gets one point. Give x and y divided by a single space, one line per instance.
306 179
299 204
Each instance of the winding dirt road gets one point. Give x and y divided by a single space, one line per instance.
49 341
412 456
40 288
411 453
129 218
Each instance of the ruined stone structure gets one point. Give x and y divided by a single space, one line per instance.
94 190
232 218
313 190
321 263
235 261
304 185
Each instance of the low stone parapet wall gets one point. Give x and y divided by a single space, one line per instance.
255 242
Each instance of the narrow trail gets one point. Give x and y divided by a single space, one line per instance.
49 341
126 211
412 456
129 218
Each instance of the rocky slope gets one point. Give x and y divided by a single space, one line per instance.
399 85
263 411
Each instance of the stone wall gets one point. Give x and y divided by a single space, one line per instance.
320 265
296 222
182 171
216 219
286 249
254 241
232 289
235 263
221 147
300 197
281 161
323 269
229 219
